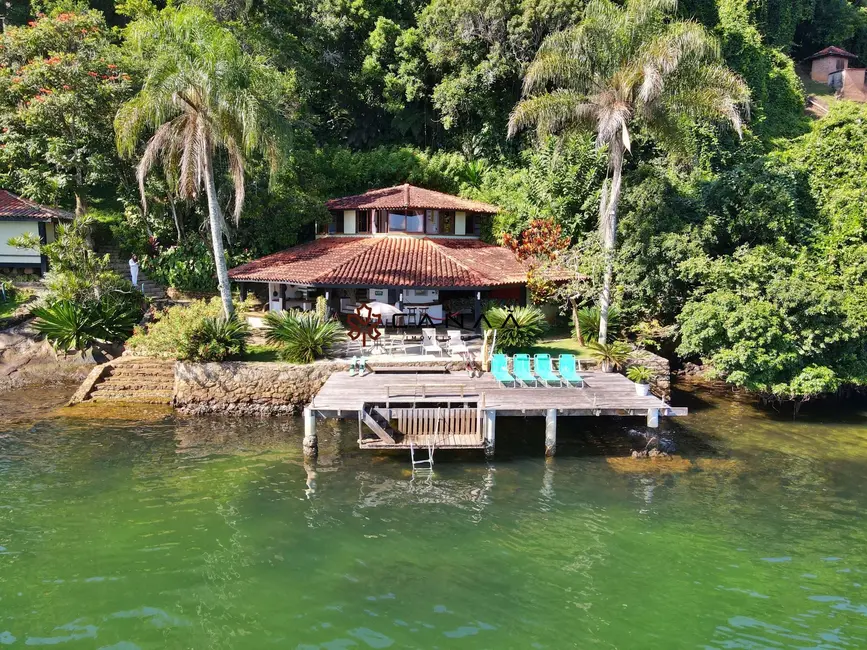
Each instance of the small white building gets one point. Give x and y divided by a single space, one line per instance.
18 216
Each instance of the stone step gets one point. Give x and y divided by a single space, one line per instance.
135 383
143 368
138 397
108 390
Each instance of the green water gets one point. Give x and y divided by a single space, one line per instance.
167 532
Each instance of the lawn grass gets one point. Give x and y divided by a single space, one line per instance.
8 307
261 352
559 341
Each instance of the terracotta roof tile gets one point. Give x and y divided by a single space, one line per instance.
833 51
15 208
409 197
394 260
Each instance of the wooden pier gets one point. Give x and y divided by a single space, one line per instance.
455 411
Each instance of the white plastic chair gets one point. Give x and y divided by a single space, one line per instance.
429 341
456 343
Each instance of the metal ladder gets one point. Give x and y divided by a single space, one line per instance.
425 465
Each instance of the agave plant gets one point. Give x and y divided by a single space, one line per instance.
518 328
611 356
74 326
215 339
303 337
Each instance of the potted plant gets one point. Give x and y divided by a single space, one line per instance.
641 375
611 356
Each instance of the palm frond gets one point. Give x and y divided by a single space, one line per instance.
552 112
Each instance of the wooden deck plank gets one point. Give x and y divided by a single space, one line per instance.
605 394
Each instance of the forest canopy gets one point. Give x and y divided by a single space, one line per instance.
747 252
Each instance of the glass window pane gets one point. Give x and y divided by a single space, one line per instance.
433 222
396 222
415 223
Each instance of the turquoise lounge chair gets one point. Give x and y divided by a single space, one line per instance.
568 372
544 370
522 371
500 369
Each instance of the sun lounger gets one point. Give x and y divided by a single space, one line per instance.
500 369
568 372
544 370
521 368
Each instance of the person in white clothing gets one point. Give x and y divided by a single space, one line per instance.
133 270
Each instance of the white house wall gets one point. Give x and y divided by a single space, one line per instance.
11 255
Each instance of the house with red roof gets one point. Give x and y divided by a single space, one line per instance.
403 245
20 216
833 66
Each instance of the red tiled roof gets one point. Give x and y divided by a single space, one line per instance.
833 51
388 261
15 208
408 197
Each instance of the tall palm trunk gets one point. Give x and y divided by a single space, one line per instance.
608 227
217 238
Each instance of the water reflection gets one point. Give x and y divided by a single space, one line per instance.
214 532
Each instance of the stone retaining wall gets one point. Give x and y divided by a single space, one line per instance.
243 388
661 382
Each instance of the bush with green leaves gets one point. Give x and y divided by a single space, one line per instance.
639 374
588 321
215 339
302 337
611 356
78 326
517 328
172 327
188 265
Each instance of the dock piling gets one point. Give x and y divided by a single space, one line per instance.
550 432
490 432
311 446
653 418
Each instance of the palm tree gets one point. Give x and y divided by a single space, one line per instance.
621 66
202 92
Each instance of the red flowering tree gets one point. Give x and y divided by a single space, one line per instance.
541 241
61 82
538 245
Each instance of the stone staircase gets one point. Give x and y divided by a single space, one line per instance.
130 379
120 264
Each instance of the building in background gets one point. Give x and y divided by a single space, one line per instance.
19 216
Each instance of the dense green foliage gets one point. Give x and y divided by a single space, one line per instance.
78 326
215 339
747 254
172 329
611 356
302 337
518 328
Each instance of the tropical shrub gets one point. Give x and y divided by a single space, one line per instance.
517 328
171 328
303 337
588 321
611 356
215 339
639 374
76 326
188 266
